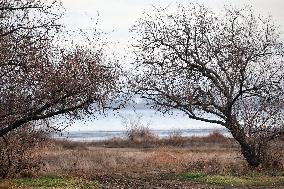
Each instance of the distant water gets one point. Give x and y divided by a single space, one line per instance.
103 127
105 135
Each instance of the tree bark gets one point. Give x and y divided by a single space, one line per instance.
252 151
249 152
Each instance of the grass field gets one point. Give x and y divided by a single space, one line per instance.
228 180
190 179
208 162
56 182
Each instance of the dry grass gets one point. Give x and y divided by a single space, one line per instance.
215 139
173 162
214 154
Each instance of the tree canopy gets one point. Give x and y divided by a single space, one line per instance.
40 77
226 69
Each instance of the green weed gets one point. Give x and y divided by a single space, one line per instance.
54 182
227 180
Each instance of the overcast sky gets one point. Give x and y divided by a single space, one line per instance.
117 16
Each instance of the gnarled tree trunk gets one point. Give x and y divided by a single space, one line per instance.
250 153
253 150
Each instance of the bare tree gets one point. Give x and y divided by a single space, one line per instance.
225 69
41 78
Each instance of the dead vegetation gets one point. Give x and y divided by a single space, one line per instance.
19 152
147 163
213 154
146 139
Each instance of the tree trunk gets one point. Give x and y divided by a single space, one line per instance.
249 152
253 151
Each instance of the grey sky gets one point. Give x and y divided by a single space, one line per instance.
117 16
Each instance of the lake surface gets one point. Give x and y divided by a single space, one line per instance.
114 124
104 135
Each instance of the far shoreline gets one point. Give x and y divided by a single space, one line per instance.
100 135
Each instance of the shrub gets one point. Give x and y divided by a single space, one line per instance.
18 152
140 133
216 137
272 159
137 130
175 138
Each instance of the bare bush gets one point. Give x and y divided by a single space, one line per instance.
18 152
215 137
175 138
175 133
136 129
